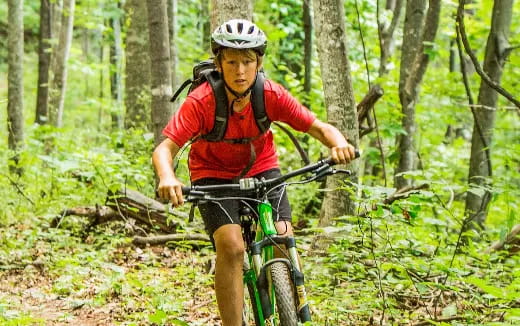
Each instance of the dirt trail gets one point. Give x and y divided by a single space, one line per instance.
29 291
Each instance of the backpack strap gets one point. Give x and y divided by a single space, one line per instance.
258 103
180 89
221 106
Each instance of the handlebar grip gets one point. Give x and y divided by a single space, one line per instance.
329 160
186 190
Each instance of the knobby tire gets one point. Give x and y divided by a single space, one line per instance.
284 293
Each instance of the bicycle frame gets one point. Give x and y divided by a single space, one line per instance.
260 255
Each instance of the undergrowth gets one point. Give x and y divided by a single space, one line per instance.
404 262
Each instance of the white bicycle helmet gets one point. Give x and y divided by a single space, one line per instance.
238 34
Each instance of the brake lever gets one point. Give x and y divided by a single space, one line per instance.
344 171
323 172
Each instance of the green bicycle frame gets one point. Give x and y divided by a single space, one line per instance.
266 228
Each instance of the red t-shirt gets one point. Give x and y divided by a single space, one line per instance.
224 160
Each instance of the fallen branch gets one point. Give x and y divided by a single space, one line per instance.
101 214
405 192
161 239
364 107
18 188
399 194
512 239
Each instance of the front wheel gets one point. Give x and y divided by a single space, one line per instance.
284 294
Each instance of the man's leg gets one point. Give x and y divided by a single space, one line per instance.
229 286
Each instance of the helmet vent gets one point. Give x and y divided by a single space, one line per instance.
251 30
240 26
229 29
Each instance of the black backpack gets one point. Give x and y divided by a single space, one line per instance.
206 71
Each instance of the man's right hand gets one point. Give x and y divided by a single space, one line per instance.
171 189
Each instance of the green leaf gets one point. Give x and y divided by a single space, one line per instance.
489 289
158 317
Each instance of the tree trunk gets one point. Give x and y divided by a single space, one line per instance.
137 66
101 95
386 34
480 172
205 26
160 67
224 10
44 61
419 32
307 61
15 77
56 10
59 65
339 95
172 31
116 86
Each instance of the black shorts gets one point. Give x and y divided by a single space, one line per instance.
214 215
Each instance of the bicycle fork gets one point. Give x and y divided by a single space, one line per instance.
293 264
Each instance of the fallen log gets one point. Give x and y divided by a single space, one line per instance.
512 240
161 239
99 214
132 203
127 204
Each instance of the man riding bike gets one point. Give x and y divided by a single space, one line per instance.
239 47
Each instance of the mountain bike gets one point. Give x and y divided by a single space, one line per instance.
275 286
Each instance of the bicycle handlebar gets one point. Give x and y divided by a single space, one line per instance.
250 186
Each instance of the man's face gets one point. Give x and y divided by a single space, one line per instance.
239 69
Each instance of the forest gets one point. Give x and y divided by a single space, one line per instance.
425 231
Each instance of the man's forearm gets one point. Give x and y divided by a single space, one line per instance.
327 135
162 158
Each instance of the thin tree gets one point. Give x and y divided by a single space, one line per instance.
224 10
484 113
307 50
59 65
386 31
172 31
160 66
339 95
44 62
137 68
420 28
15 78
204 25
116 83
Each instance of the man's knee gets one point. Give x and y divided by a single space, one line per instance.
229 243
